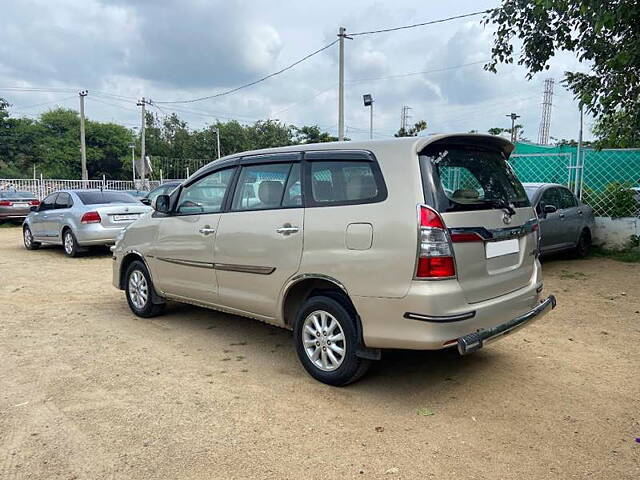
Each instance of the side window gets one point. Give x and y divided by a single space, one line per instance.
567 199
206 195
49 202
63 200
293 189
551 197
338 182
262 187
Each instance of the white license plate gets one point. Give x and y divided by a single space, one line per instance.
20 205
123 218
505 247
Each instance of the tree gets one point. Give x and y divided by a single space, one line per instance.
313 134
604 33
618 130
418 127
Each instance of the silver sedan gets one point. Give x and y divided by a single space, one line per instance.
565 222
80 218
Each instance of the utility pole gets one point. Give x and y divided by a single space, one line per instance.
342 34
513 117
83 146
142 103
577 189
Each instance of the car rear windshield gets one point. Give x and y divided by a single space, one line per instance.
95 198
472 178
16 195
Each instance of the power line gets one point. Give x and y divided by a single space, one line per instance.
431 22
45 103
233 90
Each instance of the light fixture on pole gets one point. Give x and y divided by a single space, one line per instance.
368 102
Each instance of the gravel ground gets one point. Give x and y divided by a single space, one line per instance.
89 391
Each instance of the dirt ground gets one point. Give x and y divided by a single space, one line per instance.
89 391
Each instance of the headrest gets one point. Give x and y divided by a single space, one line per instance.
270 192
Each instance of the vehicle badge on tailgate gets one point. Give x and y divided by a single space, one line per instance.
506 218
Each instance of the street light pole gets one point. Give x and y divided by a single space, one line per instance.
133 162
83 146
368 102
217 130
513 118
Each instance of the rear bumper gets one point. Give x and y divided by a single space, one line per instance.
475 341
96 234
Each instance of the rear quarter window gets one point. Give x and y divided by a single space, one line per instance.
345 182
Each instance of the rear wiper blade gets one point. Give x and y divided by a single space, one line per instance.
502 204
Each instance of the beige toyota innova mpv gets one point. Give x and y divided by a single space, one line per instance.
413 243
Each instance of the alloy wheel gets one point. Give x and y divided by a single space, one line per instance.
138 289
68 243
323 340
27 237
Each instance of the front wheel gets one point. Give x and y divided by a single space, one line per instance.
139 291
29 243
326 341
584 242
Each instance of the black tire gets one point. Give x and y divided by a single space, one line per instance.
146 308
350 367
27 238
584 242
72 248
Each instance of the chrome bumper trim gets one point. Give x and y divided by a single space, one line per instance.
439 319
475 341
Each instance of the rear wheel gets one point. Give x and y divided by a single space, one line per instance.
326 341
70 244
29 243
584 242
140 293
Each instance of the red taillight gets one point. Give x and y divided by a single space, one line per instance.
435 258
34 202
436 267
90 217
5 203
430 218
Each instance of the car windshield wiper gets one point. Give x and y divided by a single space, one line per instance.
503 204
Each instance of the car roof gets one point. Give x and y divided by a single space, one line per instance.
397 146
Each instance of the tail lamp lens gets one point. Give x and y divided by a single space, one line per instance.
435 258
90 217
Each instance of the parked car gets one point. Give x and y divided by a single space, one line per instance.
565 222
16 204
139 194
163 189
415 243
80 218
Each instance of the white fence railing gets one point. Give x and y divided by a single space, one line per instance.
41 187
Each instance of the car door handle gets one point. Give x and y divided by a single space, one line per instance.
206 230
579 212
561 215
287 229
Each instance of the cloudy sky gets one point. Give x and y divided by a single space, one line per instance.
170 50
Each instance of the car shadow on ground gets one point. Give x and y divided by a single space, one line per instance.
406 371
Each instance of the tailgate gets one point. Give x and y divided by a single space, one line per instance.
503 260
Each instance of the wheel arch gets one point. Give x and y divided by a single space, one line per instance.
127 260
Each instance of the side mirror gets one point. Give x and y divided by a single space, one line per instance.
549 209
34 208
162 204
145 200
